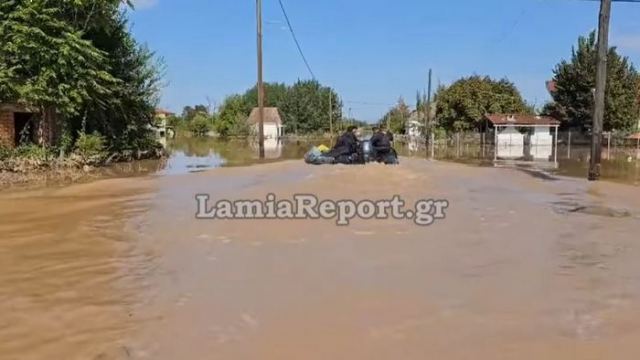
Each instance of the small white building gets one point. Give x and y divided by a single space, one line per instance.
414 126
510 143
414 129
509 136
273 127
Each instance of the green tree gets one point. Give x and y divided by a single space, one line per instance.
575 83
463 105
47 64
306 108
200 125
190 112
76 62
275 95
396 118
232 119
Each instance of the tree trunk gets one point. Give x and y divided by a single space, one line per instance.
47 127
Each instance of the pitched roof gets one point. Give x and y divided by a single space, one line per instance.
521 119
163 112
271 116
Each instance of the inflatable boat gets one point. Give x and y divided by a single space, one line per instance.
316 156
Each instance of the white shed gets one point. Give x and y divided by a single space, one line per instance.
509 141
273 128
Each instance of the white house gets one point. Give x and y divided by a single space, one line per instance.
273 128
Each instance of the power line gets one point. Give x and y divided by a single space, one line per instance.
368 103
295 39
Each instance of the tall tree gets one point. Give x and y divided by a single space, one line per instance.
306 109
232 119
46 63
397 117
76 61
575 83
275 95
463 105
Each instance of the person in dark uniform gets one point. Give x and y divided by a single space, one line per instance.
389 134
346 147
380 145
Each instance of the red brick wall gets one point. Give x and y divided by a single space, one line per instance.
7 131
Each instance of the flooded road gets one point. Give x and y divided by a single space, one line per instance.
190 155
71 271
522 268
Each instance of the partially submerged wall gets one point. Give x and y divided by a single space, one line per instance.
7 129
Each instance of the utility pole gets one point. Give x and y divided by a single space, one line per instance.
331 114
601 85
260 85
427 118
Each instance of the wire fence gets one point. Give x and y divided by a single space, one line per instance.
565 138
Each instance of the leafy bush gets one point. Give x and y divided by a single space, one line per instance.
5 153
90 146
439 133
65 145
200 125
33 152
147 142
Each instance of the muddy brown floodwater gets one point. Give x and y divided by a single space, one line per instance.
524 267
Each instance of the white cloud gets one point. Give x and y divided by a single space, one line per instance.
144 4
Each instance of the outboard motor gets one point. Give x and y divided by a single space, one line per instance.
366 151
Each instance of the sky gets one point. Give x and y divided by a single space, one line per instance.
372 52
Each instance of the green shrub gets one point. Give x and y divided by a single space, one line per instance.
146 142
5 153
439 133
65 145
33 152
200 125
90 146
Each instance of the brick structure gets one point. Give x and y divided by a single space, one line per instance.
7 129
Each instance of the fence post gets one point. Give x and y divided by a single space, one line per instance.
555 153
569 146
495 143
433 144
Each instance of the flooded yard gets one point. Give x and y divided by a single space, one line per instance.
188 155
523 267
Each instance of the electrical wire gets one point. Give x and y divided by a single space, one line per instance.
295 39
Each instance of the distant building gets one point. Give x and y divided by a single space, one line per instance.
273 128
161 125
415 125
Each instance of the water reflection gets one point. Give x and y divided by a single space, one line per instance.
198 154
